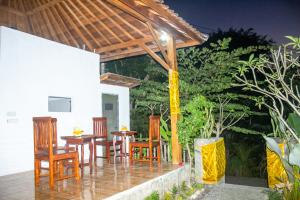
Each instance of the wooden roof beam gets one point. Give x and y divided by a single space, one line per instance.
156 39
139 51
128 10
12 11
56 15
43 6
127 44
156 21
105 26
56 26
74 26
155 56
120 18
113 21
92 14
170 19
81 24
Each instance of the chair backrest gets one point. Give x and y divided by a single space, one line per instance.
100 126
154 128
54 129
45 134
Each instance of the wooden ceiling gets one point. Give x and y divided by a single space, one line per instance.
113 28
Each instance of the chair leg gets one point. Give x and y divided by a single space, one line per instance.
61 168
76 167
107 151
141 153
151 154
121 152
37 171
95 153
130 152
51 174
158 153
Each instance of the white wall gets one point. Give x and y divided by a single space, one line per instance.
31 69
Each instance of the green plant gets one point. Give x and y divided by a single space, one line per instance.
182 192
278 88
174 190
166 134
274 195
277 126
196 121
168 196
280 94
153 196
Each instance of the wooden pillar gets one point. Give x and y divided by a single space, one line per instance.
174 100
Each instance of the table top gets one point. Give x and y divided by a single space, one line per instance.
82 137
123 133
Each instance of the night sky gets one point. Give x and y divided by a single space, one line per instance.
275 18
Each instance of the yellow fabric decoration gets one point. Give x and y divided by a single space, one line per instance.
213 161
276 171
174 92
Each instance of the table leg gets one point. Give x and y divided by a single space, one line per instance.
91 156
114 145
124 139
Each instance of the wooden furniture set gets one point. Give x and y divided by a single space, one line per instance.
61 159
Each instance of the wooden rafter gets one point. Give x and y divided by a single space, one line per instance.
64 26
124 45
49 25
90 34
130 37
156 39
56 26
155 20
128 10
138 51
108 29
170 18
113 28
108 42
12 11
79 21
44 6
74 26
120 18
155 56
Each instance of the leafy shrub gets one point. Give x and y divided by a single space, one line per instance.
153 196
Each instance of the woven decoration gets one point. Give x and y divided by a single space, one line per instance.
276 171
174 92
214 161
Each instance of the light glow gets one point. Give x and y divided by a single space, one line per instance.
164 37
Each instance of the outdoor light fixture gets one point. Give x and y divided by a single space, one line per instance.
164 37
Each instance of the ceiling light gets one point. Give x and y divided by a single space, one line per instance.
164 37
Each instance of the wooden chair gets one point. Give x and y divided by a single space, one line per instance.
46 149
101 138
152 144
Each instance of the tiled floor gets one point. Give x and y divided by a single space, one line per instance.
106 180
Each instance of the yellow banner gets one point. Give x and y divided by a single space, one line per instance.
174 92
276 171
214 161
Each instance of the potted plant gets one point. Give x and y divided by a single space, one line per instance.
275 168
278 87
196 126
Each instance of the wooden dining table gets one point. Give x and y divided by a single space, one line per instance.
81 141
123 135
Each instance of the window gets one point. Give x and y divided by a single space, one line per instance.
59 104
